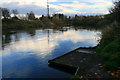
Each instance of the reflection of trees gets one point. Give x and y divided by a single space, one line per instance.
6 39
16 37
63 29
31 32
76 29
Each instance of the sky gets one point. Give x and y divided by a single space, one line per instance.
67 7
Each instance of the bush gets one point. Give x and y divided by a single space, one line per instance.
21 24
111 65
75 77
110 33
58 22
109 48
111 54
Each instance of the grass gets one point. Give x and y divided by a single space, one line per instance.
109 49
75 77
111 54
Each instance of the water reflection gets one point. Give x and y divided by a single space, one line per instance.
27 53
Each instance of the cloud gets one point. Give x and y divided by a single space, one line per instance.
38 8
87 7
58 6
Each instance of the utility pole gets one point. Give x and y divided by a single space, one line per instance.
47 9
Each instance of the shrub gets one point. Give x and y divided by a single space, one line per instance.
75 77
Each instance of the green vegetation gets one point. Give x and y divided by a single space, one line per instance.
75 77
111 54
20 24
109 47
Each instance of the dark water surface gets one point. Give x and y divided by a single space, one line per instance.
26 54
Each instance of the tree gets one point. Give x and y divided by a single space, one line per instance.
42 17
76 16
46 21
60 16
58 22
31 16
116 7
15 12
5 13
115 10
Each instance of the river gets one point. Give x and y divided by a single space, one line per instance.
26 53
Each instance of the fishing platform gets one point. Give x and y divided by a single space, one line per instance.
82 62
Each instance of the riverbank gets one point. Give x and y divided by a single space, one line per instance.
19 24
83 62
109 48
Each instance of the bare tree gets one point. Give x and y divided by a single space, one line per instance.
15 12
31 16
5 13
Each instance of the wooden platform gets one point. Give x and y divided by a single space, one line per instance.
81 62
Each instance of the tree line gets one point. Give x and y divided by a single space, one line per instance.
61 20
57 19
6 13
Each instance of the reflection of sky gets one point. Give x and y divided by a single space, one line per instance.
39 43
29 53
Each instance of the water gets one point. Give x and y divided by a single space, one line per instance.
26 54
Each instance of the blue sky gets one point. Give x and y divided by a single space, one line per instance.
68 7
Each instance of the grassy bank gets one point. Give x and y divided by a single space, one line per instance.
109 49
